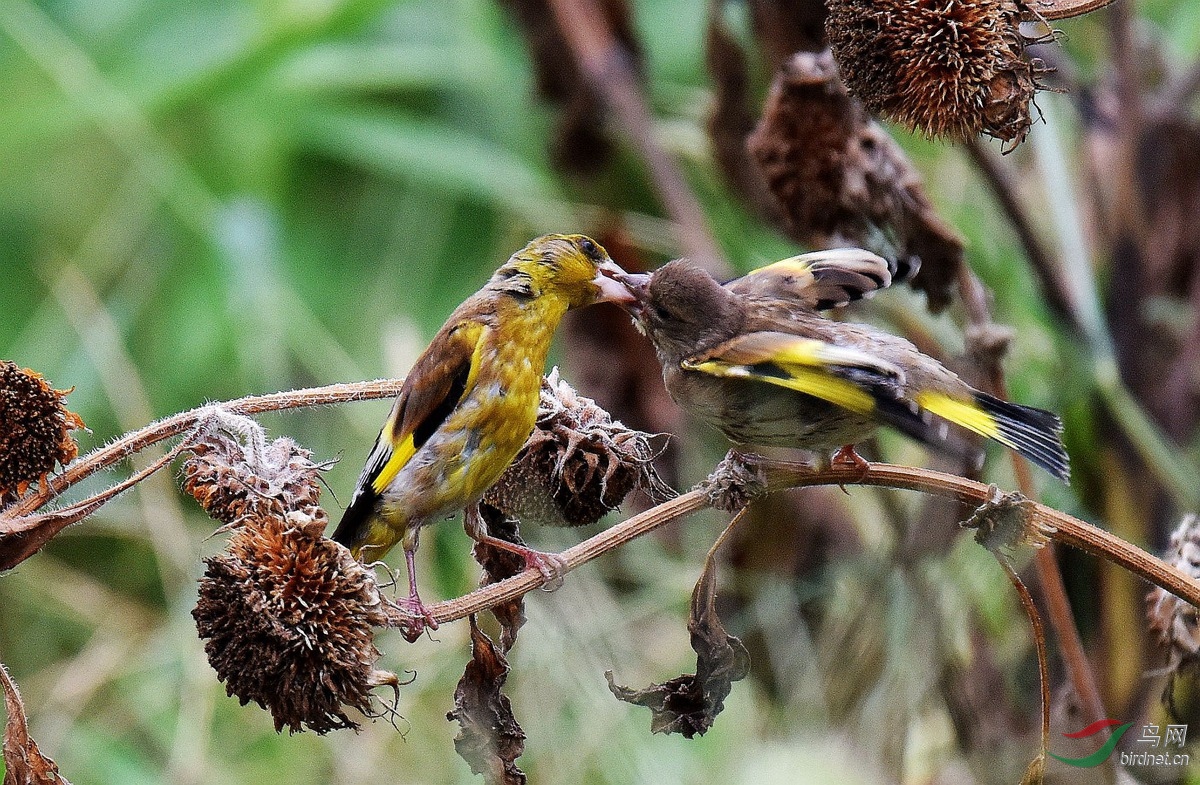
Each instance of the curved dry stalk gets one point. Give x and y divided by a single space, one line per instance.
781 475
607 66
177 424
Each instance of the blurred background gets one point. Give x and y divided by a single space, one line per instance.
200 201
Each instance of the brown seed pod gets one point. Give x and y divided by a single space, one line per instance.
35 430
577 465
944 68
235 479
840 179
1178 622
288 618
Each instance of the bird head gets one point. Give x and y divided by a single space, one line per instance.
682 308
571 267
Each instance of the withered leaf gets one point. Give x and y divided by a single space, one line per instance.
689 704
498 565
24 764
490 739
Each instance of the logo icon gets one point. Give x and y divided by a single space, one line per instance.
1102 754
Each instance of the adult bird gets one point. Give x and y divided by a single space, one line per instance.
755 358
470 402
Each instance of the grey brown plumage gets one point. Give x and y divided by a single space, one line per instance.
756 359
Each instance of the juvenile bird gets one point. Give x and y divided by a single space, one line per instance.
470 402
756 359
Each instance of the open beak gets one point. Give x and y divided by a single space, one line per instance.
637 284
610 280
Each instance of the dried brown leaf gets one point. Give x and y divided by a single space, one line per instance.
24 764
689 704
499 564
490 740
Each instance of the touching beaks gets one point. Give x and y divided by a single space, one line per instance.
610 279
638 284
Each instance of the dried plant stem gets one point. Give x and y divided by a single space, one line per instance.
1004 188
1039 643
609 69
135 441
1058 605
781 475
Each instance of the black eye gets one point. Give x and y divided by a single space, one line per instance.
588 247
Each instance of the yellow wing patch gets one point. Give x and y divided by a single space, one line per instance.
966 413
799 266
395 462
810 381
403 452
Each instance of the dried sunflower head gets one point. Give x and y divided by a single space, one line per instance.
35 430
577 465
945 68
288 618
234 478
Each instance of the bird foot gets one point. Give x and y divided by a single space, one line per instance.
551 566
847 457
414 618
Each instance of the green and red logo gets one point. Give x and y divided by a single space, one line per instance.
1102 754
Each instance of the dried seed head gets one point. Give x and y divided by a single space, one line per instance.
577 465
839 179
234 479
1176 621
35 430
951 68
288 620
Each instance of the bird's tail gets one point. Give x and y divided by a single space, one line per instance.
1033 433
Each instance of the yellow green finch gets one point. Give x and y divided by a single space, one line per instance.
470 402
755 358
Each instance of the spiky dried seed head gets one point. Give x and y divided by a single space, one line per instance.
235 479
840 180
35 430
577 465
945 68
288 618
1176 621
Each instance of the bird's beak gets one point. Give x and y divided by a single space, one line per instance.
638 285
613 289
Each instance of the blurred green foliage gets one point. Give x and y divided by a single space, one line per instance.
200 201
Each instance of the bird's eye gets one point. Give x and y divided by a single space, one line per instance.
588 247
662 313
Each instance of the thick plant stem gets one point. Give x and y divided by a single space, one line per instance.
782 475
